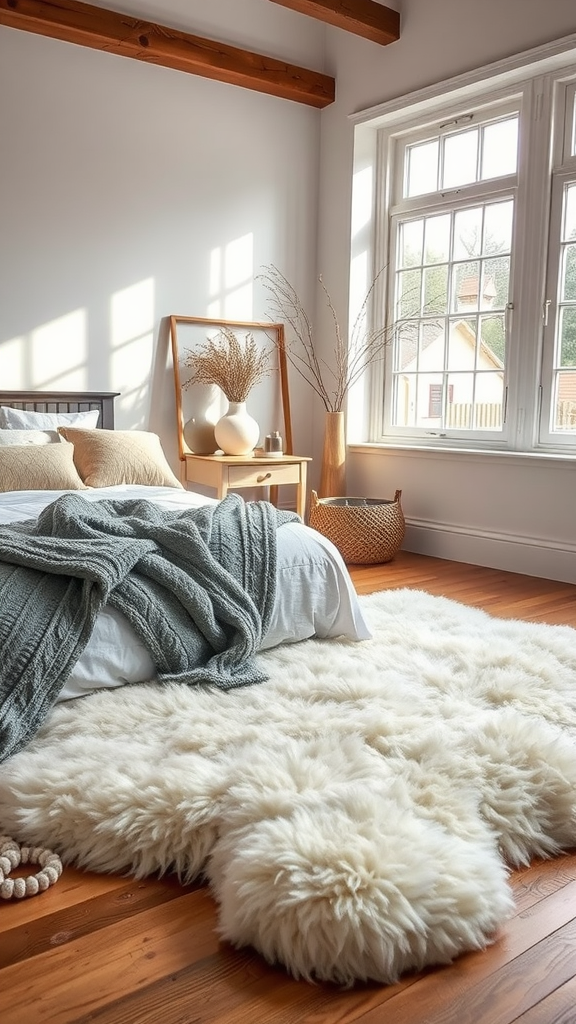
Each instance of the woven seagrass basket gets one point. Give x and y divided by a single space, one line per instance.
365 530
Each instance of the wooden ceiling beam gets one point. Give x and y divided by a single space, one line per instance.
102 29
363 17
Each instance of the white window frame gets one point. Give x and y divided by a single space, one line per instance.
400 208
537 78
563 173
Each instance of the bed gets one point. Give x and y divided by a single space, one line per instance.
89 462
357 811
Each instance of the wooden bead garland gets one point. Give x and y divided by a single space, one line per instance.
12 854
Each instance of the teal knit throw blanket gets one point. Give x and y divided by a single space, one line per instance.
197 586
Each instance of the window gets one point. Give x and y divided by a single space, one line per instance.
478 233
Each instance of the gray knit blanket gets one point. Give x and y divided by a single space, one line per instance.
197 586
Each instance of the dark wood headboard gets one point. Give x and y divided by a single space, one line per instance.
64 401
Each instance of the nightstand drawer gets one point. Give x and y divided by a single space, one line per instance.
263 476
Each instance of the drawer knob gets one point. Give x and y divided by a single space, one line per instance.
263 476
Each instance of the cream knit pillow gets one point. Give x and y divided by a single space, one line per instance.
105 458
38 467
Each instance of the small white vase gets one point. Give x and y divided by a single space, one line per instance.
237 432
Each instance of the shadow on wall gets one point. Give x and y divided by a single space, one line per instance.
61 354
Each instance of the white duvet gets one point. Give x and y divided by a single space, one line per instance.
314 595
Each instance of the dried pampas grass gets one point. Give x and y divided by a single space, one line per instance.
235 366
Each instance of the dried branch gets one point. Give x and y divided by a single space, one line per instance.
235 366
331 382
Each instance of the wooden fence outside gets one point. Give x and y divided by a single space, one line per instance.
489 415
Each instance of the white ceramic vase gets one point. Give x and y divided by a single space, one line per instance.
237 432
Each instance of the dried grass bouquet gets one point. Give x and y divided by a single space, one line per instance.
235 366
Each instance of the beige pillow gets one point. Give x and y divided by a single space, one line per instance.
39 467
104 458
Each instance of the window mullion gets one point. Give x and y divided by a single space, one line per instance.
455 197
553 309
529 262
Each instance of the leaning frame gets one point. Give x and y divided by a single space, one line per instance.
278 333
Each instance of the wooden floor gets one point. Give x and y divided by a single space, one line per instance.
109 950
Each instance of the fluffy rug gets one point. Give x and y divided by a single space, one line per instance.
354 815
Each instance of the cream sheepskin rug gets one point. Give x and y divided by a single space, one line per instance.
354 815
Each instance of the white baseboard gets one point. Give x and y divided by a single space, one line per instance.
532 556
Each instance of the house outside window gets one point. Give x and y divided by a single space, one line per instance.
478 233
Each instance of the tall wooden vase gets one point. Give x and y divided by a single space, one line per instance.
333 471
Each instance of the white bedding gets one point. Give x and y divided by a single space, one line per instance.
314 597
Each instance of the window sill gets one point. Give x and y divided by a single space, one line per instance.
473 454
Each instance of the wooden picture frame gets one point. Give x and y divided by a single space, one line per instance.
199 330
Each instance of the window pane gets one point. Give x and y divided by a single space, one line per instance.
462 344
424 398
495 283
407 346
432 344
493 338
565 404
568 337
411 235
499 148
459 409
568 277
460 158
465 287
436 290
570 214
498 227
489 392
467 233
404 400
409 293
437 246
422 168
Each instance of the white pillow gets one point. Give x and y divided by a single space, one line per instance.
12 437
22 419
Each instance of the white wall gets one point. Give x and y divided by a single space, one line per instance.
511 512
122 184
130 192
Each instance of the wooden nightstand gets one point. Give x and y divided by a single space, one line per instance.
230 472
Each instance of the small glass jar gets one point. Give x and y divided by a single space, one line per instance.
273 444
